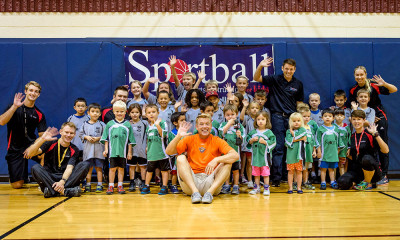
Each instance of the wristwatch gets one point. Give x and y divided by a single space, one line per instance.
376 134
65 180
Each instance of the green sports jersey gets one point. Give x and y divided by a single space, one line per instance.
345 135
118 135
261 153
295 150
214 129
314 126
230 136
330 142
156 144
309 144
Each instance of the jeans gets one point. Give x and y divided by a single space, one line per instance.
279 126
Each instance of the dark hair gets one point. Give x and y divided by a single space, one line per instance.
135 105
152 106
200 95
122 88
240 97
358 114
340 93
328 110
160 92
260 93
79 99
289 61
205 104
170 94
176 115
339 111
94 105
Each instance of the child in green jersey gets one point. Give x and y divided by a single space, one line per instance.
295 139
344 134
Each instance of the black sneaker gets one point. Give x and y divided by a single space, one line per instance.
132 186
163 190
47 193
73 192
276 184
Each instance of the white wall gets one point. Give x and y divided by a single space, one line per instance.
199 25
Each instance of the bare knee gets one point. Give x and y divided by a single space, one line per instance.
181 159
17 184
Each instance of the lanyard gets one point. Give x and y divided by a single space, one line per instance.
359 142
65 152
25 125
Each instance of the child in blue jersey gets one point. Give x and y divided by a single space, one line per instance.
116 137
218 114
90 134
157 136
136 90
193 99
344 134
315 100
177 119
139 157
78 119
363 98
164 109
162 86
260 96
340 101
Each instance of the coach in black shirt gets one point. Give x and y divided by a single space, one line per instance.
22 119
285 92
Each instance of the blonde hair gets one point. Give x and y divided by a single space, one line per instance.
211 82
190 74
204 115
244 77
36 84
296 115
314 95
264 114
69 124
363 90
367 85
119 104
302 107
137 82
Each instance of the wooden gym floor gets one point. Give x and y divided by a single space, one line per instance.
330 214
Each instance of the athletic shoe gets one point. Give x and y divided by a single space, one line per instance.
72 192
276 184
99 188
362 186
207 198
163 190
266 191
299 191
334 185
110 190
88 188
132 187
196 197
141 186
323 186
83 183
383 181
174 189
47 193
225 189
255 190
308 186
290 191
145 189
121 190
242 179
295 186
138 183
250 185
235 190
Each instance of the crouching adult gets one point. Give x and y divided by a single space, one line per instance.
363 166
207 163
61 172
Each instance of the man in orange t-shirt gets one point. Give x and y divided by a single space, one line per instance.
207 164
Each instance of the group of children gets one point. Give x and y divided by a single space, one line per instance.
142 128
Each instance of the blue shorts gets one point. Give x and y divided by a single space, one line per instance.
329 164
95 162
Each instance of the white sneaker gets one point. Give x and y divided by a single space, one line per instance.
266 192
250 185
254 191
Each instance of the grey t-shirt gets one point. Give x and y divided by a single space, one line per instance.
92 150
191 116
139 131
317 117
78 121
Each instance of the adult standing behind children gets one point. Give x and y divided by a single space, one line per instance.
375 86
22 119
285 92
208 162
120 93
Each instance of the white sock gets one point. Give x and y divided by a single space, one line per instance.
88 184
111 184
119 184
100 183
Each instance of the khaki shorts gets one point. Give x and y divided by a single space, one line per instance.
202 181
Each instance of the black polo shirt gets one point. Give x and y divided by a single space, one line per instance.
24 118
50 149
283 95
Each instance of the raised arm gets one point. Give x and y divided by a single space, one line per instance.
264 63
382 145
378 79
6 117
146 85
34 149
200 76
172 61
182 132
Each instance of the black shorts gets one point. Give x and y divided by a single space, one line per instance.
235 166
163 165
137 160
117 162
18 165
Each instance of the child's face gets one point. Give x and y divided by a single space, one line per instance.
163 99
340 101
328 118
214 100
119 113
212 87
296 123
134 114
152 113
261 100
194 99
136 89
80 108
209 110
339 118
163 87
94 114
314 102
181 119
357 122
363 99
242 84
230 115
306 117
187 82
235 101
254 109
261 121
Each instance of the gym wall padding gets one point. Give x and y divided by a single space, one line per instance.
92 69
